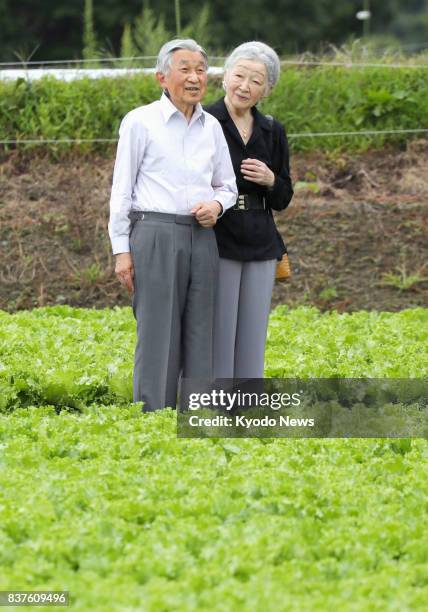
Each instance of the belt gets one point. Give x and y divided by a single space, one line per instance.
250 201
136 215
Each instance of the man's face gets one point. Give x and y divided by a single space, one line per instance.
186 80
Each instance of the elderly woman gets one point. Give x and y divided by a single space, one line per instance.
249 243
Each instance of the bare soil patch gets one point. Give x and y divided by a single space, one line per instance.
356 231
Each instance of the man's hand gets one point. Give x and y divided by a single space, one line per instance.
207 213
124 270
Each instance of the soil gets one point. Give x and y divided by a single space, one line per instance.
356 231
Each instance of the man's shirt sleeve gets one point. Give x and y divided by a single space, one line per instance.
223 181
130 152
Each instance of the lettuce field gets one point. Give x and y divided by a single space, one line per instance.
71 357
105 502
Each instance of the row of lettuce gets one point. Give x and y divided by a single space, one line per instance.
306 100
116 510
74 357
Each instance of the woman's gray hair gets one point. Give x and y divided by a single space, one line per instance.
163 63
257 52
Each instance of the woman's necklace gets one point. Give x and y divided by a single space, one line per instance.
245 131
244 127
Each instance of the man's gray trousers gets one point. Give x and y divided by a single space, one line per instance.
175 279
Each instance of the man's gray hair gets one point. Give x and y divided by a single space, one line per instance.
163 63
257 52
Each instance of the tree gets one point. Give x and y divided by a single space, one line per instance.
149 32
90 45
127 47
199 27
55 28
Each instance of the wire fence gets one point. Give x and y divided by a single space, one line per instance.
291 62
351 64
291 135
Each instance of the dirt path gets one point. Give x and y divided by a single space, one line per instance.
356 231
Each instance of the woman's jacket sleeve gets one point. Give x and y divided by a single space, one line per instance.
279 196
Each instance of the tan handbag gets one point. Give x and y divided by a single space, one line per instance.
283 270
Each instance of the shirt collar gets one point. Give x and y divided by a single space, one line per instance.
222 114
168 110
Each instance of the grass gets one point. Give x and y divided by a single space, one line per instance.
402 279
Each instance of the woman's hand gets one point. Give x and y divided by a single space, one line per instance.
258 172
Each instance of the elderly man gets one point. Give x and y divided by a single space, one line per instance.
172 178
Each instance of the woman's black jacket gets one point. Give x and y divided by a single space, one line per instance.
252 235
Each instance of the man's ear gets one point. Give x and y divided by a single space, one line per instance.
161 79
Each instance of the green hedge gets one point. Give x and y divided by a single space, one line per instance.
322 99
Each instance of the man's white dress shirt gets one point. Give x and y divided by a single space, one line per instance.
165 164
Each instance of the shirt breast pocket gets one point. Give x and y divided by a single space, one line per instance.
157 157
201 161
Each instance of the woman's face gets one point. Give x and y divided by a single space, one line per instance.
245 83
